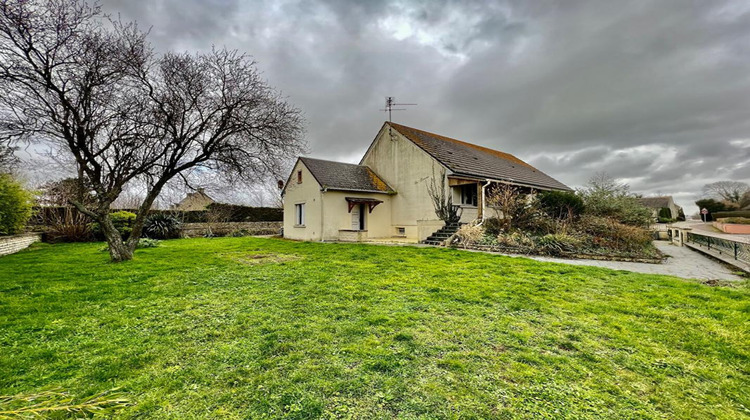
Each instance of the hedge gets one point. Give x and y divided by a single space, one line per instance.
223 212
723 214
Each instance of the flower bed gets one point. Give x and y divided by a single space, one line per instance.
657 257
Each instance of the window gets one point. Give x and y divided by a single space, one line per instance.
469 194
401 230
299 177
299 214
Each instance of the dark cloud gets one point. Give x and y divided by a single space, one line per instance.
655 92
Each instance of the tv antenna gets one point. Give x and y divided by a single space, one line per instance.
390 103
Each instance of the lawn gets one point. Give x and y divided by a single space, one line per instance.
267 328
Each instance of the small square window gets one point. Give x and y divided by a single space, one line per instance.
401 231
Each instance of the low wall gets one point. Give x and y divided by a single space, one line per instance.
192 230
15 243
346 235
733 228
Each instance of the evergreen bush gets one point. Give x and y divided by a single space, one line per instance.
15 206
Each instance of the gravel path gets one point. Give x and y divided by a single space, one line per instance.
684 262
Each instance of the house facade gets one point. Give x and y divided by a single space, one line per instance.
387 194
655 204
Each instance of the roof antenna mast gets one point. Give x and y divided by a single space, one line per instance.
390 103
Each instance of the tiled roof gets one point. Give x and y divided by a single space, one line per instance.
477 161
655 202
345 176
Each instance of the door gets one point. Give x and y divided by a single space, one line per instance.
358 217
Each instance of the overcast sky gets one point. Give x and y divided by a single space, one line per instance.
655 93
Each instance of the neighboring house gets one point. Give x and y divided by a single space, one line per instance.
658 203
386 195
194 201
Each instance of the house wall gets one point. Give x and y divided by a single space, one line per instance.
309 194
408 170
337 217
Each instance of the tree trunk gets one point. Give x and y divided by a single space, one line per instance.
140 218
118 250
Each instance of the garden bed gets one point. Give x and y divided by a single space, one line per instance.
658 258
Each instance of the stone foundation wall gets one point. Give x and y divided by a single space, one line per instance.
192 230
15 243
346 235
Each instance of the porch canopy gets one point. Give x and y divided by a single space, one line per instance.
371 202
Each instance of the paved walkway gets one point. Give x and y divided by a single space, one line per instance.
683 262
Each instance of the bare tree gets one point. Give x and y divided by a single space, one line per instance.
63 191
442 200
93 89
512 202
730 191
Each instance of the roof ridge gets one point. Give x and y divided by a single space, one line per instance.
331 161
497 153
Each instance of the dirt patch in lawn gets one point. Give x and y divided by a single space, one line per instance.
265 258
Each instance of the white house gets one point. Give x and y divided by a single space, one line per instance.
386 194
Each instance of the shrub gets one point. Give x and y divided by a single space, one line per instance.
519 209
470 234
493 226
561 204
161 226
608 233
604 197
238 233
123 222
70 225
518 240
15 206
147 243
558 244
735 220
665 213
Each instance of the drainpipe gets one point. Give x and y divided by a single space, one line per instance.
322 214
484 204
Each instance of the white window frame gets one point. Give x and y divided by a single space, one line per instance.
299 214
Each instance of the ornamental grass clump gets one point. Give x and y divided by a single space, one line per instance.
470 235
162 226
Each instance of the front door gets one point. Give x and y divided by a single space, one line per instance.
358 217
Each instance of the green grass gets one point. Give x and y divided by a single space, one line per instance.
264 328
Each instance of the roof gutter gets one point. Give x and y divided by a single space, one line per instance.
510 182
